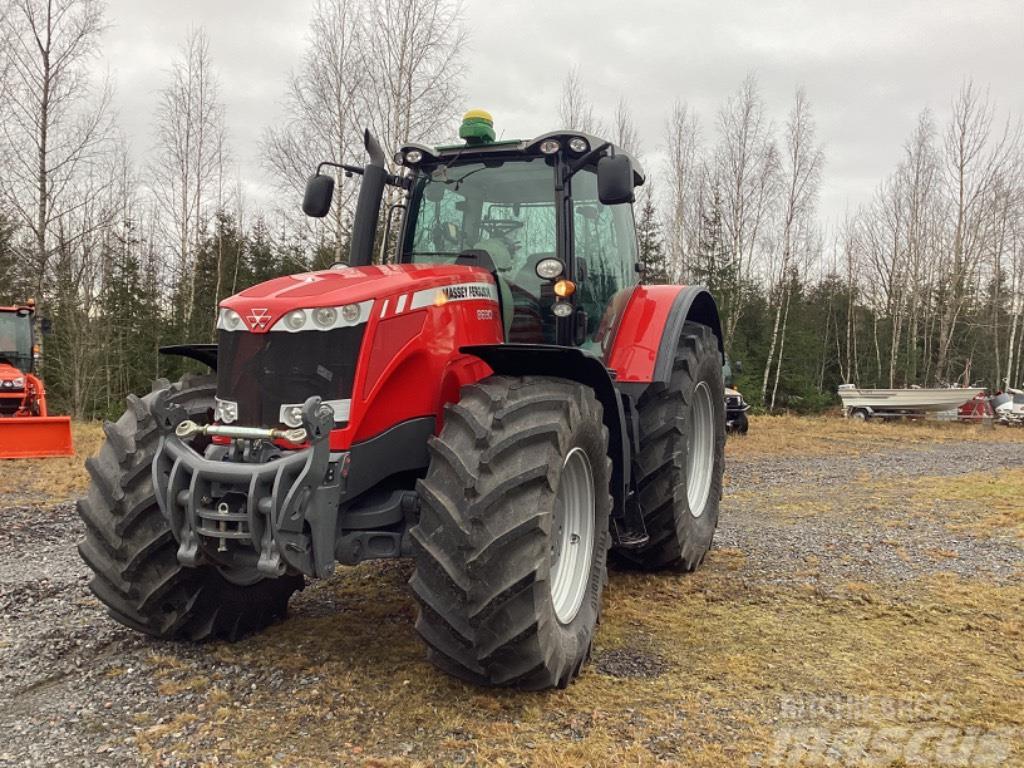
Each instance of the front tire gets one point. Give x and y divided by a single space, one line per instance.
133 554
511 544
682 456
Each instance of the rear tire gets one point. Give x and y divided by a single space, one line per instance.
679 497
504 598
132 552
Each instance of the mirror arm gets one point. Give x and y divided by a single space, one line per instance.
587 158
348 169
396 181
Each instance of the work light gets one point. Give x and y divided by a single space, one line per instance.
413 156
549 146
549 269
578 145
561 308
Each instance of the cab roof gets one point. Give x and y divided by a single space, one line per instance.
526 147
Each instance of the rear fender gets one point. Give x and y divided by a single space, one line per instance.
644 336
574 365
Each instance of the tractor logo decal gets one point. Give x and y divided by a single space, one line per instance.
258 318
457 292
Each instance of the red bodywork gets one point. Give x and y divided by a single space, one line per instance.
409 365
635 333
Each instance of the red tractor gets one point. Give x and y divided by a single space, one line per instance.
26 428
503 402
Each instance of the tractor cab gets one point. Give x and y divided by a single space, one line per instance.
26 428
550 217
16 358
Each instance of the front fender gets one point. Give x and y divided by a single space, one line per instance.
575 365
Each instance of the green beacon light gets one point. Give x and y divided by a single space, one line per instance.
477 127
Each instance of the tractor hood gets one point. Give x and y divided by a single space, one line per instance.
11 378
261 306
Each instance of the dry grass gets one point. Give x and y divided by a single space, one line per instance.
53 480
354 687
726 657
833 435
982 503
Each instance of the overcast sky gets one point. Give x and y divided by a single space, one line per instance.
869 66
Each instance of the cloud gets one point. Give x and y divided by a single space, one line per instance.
869 67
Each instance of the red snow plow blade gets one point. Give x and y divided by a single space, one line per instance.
30 437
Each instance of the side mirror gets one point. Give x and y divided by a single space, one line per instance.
45 325
738 366
614 180
317 200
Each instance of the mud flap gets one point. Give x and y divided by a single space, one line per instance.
30 437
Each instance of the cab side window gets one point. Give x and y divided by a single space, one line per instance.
605 245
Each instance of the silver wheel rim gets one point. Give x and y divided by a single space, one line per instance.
572 535
700 450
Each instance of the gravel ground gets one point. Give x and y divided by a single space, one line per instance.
74 685
861 541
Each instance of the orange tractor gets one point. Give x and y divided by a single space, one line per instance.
26 429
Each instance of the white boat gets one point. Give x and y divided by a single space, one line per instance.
1008 407
865 403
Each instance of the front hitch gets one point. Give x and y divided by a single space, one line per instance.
249 507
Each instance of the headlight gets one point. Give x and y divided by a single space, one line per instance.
291 415
549 146
413 156
295 320
578 145
228 320
226 411
325 317
18 383
549 269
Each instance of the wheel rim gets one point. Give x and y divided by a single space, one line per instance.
700 453
572 535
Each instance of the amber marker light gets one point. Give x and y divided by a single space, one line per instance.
565 288
440 299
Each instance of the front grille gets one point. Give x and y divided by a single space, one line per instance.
263 371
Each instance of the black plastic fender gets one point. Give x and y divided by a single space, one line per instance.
696 304
575 365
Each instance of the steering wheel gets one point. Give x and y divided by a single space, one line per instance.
501 227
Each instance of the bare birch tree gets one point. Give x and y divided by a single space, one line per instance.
973 158
321 106
746 164
575 110
686 173
190 152
55 125
801 167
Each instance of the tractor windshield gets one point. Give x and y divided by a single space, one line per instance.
16 339
505 208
